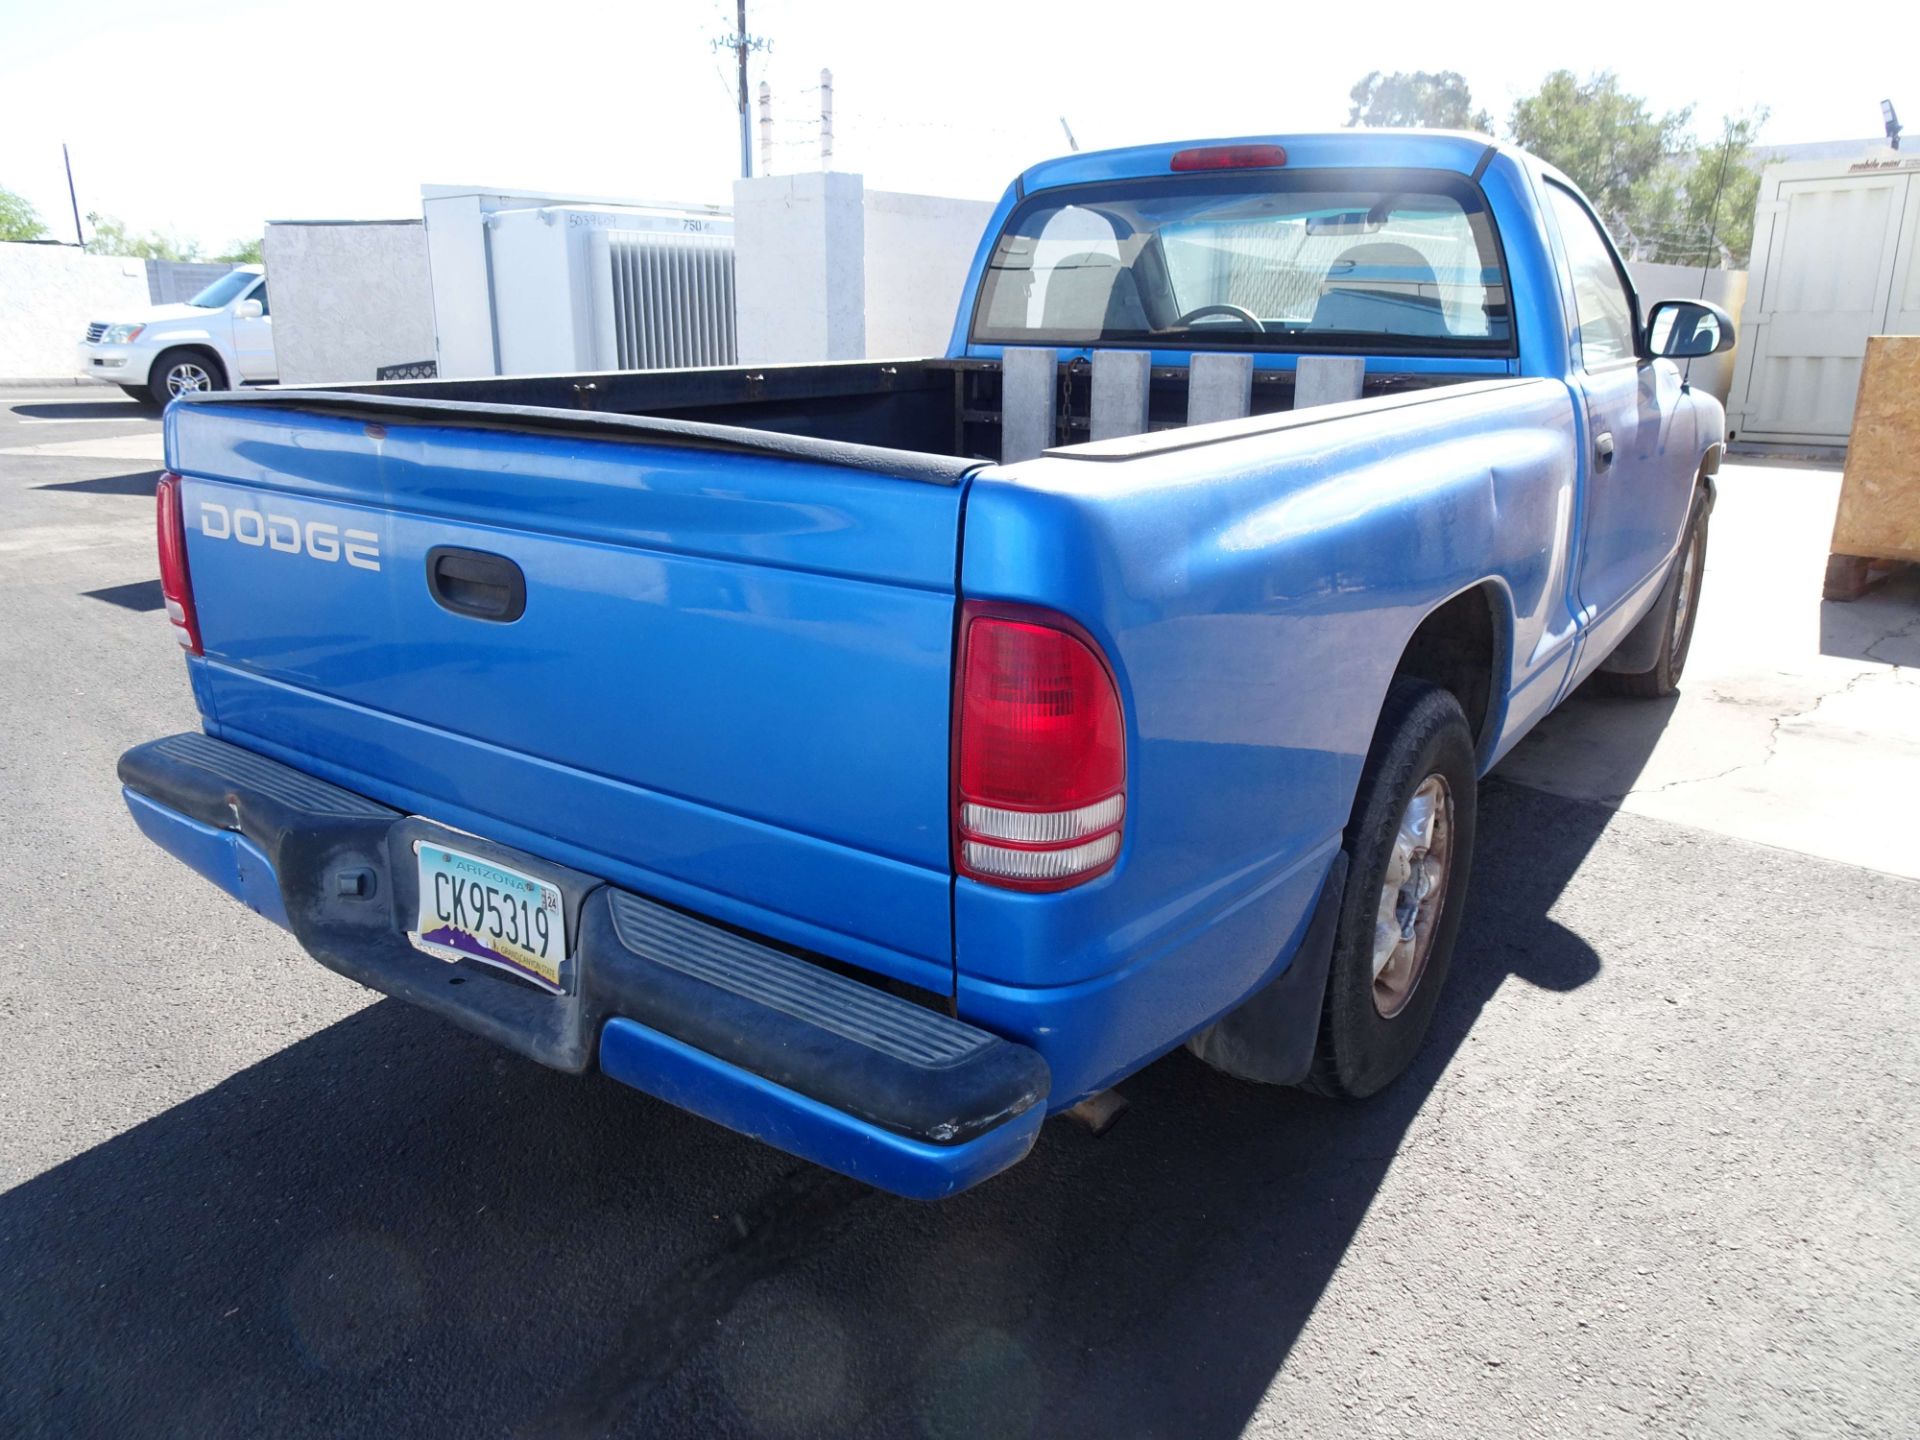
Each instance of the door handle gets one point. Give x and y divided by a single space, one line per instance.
476 584
1603 449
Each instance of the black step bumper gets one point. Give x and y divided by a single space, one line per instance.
766 1041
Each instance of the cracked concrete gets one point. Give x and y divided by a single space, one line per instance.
1798 722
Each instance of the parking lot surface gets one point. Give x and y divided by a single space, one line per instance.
1655 1173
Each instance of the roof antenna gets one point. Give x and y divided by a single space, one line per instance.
1713 237
1072 144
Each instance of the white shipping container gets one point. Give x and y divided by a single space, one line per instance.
1836 258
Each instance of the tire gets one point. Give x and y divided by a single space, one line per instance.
138 392
178 371
1678 610
1372 1024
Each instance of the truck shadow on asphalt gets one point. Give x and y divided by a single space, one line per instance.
128 409
138 483
390 1228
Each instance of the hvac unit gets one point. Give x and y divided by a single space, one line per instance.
594 287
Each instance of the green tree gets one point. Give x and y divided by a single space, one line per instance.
112 237
241 252
1430 99
18 219
1606 140
1722 187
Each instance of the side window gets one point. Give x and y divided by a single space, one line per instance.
261 296
1603 326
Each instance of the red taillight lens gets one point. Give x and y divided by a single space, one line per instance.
171 522
1230 157
1040 766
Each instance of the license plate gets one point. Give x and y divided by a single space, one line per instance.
473 909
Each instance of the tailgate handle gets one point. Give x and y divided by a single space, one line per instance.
476 584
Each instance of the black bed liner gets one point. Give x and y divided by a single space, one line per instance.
593 405
850 413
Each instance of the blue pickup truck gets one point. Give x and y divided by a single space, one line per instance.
878 757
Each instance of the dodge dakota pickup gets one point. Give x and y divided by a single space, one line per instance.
877 757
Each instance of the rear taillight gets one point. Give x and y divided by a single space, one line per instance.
1040 759
175 584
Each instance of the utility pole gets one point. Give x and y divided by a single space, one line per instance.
826 120
740 52
72 199
766 129
742 44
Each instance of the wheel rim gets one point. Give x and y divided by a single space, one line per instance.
187 378
1412 895
1683 603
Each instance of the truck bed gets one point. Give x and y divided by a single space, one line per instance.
921 412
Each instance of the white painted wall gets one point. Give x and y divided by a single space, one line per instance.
918 251
48 295
1725 288
348 297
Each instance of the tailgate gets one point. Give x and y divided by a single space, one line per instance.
728 687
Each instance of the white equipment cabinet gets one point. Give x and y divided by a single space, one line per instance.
600 287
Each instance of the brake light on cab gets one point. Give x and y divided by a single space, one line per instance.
170 522
1230 157
1040 766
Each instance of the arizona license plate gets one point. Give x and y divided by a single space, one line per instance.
473 909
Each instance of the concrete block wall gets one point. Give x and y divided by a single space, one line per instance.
799 268
348 297
48 295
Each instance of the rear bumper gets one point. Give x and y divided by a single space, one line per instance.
761 1040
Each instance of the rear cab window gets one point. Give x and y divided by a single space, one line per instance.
1370 261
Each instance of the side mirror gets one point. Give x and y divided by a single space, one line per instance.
248 310
1688 329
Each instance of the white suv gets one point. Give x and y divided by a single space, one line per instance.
220 338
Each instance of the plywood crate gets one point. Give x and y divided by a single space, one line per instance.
1879 515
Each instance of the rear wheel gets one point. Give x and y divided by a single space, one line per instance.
1410 846
1676 611
184 372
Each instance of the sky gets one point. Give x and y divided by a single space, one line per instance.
205 121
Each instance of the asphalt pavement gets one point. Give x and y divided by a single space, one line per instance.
1655 1172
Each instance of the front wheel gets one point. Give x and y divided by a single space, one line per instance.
1410 846
1673 617
184 372
138 392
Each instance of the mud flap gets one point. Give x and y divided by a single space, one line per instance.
1270 1039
